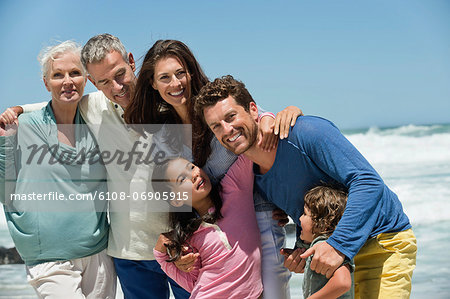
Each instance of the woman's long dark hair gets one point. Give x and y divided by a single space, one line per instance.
183 224
201 140
148 107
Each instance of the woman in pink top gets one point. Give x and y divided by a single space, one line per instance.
222 229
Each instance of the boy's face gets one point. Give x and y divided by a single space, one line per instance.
306 223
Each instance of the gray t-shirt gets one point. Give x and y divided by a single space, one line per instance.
313 282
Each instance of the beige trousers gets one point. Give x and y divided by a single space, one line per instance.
88 277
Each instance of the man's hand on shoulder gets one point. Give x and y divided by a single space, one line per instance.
326 259
9 121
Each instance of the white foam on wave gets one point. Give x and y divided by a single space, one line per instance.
398 149
416 130
13 282
414 161
424 201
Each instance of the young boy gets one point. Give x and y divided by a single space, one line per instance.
323 209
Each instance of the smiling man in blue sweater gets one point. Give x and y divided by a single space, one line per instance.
374 230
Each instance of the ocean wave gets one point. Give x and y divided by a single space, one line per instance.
424 199
411 130
401 149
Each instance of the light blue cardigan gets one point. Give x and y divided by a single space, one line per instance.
45 230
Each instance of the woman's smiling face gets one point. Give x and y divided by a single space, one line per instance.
172 81
65 79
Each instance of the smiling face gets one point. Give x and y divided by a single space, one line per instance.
307 226
235 128
172 81
186 177
114 77
64 79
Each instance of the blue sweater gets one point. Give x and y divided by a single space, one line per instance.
315 153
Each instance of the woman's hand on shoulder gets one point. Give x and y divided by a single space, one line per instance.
285 119
270 129
267 140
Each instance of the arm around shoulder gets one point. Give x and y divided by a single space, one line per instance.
32 107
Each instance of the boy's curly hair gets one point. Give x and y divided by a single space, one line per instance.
326 205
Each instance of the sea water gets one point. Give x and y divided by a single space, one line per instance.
413 160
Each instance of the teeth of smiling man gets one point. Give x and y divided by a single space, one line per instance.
121 94
234 137
176 93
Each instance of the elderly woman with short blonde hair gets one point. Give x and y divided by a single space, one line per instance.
61 238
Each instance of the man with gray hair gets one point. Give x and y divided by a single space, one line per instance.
133 233
110 67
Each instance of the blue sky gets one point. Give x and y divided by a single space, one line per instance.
357 63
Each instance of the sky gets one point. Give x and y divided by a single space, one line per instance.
358 63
